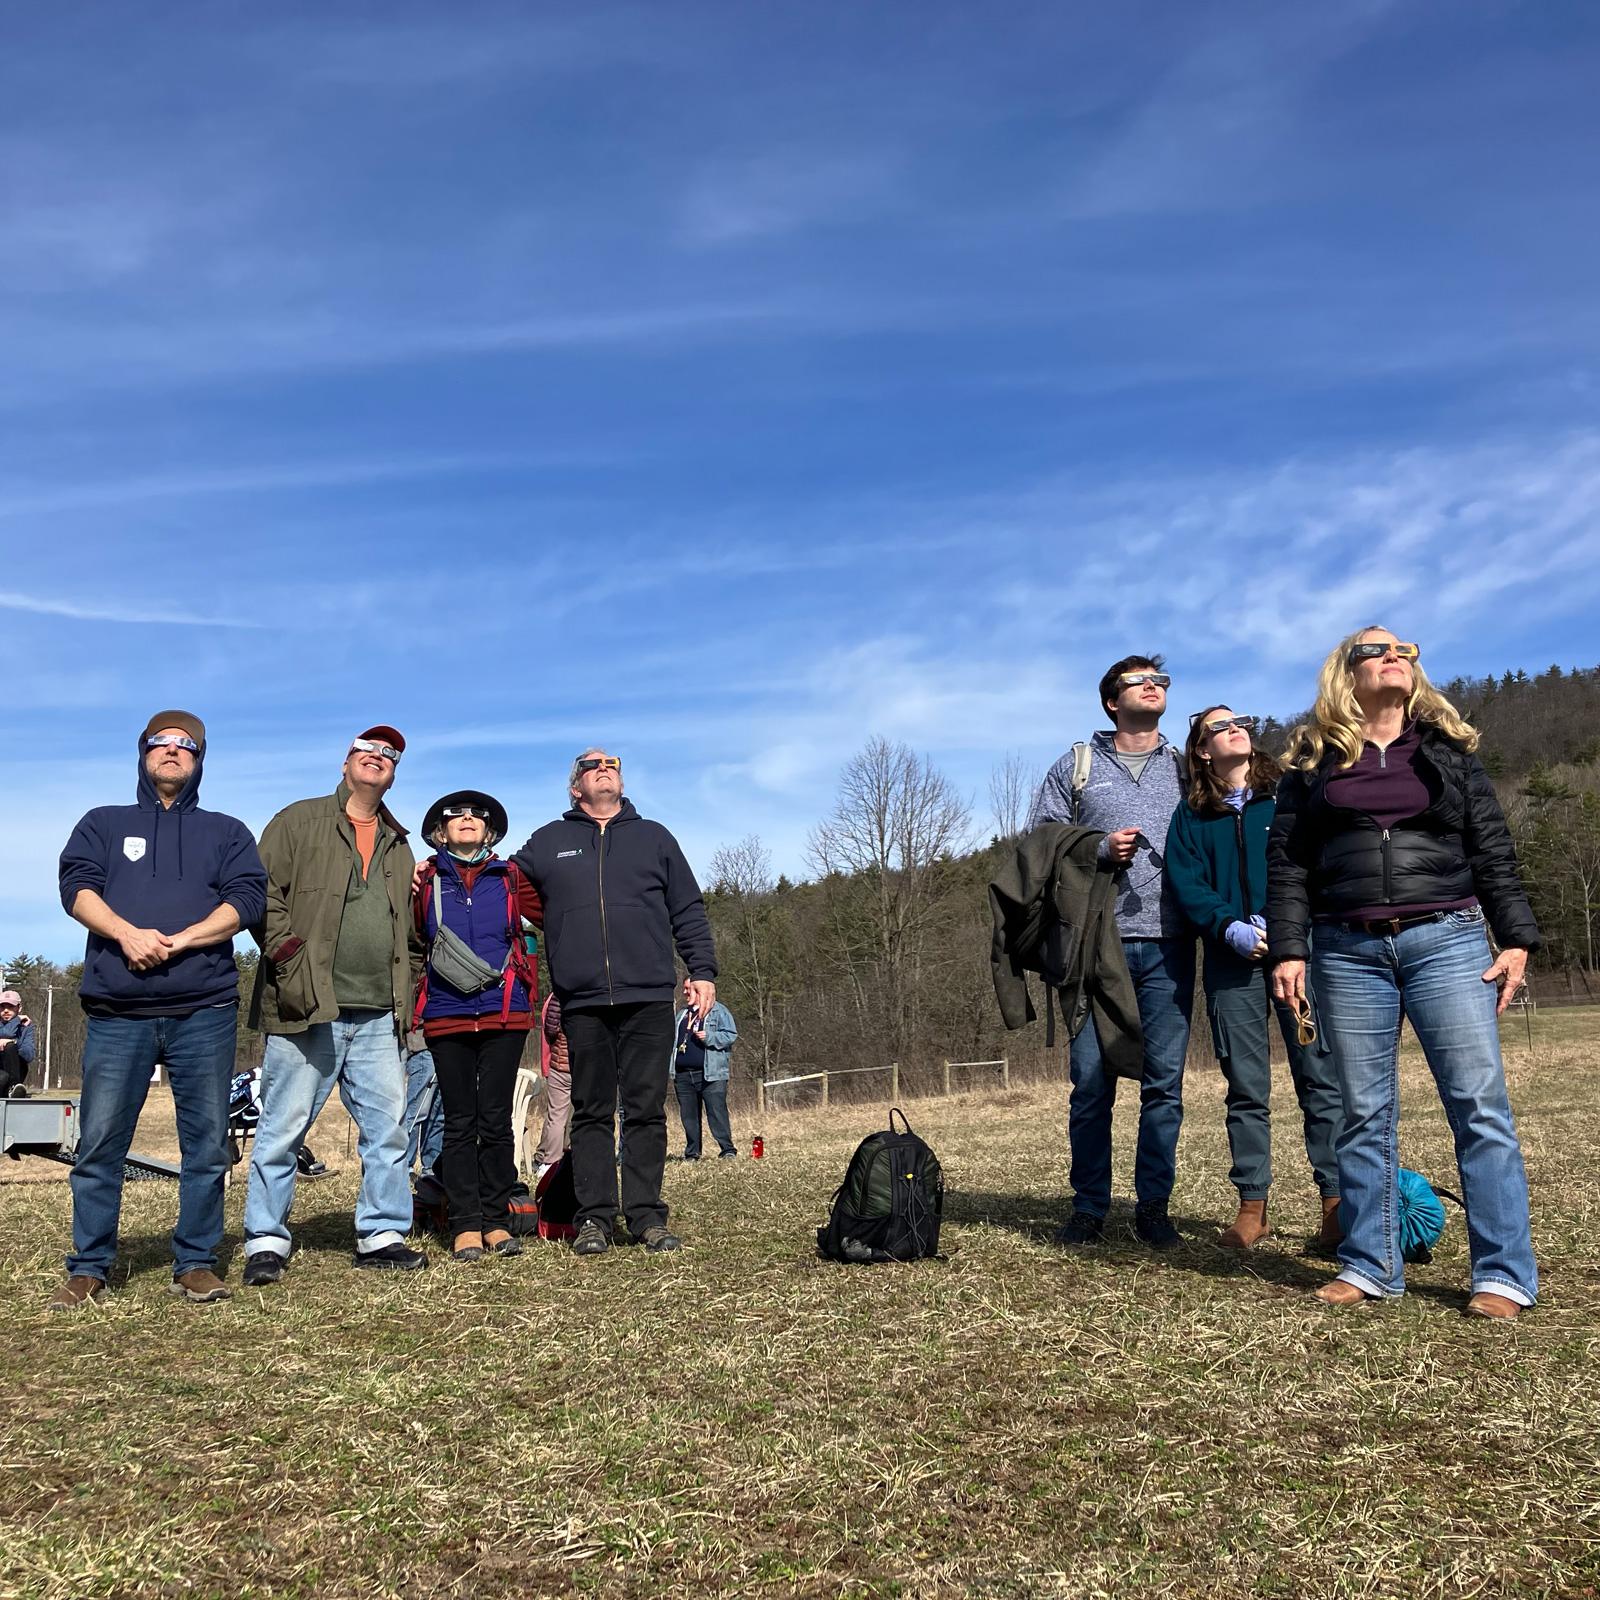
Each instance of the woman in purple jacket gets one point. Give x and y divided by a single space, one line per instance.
478 1000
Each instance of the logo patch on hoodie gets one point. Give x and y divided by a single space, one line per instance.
561 855
133 847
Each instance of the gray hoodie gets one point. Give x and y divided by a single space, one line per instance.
1113 798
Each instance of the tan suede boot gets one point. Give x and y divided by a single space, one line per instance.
1249 1227
1331 1235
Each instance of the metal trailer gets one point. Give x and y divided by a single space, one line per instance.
47 1126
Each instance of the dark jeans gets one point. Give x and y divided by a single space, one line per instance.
1238 1003
1163 980
694 1092
119 1055
620 1053
477 1077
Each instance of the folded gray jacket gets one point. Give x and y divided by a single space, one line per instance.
1053 906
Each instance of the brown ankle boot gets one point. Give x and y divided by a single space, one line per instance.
1249 1227
1331 1235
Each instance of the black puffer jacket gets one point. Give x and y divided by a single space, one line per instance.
1326 860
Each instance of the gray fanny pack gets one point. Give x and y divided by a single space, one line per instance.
452 960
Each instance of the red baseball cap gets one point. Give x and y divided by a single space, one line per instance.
387 734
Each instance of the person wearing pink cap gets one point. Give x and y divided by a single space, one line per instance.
334 992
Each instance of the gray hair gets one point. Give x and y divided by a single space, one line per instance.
583 755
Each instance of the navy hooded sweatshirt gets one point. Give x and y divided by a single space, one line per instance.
162 868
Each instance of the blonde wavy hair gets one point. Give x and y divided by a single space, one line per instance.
1336 720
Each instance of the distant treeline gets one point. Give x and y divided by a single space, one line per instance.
882 952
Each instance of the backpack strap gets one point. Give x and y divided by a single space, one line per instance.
430 876
1082 760
518 964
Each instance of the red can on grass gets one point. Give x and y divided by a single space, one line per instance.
758 1147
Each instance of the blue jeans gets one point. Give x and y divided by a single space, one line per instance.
694 1091
1163 980
1430 973
359 1052
119 1055
424 1112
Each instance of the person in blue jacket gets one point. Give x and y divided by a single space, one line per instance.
162 887
701 1047
1217 867
478 1001
18 1044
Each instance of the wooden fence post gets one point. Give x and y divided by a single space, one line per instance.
824 1088
947 1077
1005 1072
761 1098
894 1080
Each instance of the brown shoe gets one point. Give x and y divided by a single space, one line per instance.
1249 1227
77 1292
200 1287
1494 1306
1341 1293
1331 1235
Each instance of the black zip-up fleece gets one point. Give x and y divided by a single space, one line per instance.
1326 860
616 901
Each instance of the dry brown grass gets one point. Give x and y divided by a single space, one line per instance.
744 1419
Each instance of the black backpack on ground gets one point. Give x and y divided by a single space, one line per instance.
889 1206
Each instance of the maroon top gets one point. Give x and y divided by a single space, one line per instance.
1388 786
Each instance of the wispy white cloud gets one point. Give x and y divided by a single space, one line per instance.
780 192
79 611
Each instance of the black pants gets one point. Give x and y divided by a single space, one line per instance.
477 1075
620 1053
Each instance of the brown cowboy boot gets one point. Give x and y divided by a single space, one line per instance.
1494 1306
1249 1227
78 1291
1340 1293
1331 1235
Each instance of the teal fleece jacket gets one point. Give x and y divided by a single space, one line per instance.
1217 866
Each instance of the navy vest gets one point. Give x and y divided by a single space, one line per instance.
481 920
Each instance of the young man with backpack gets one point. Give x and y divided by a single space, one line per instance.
1128 782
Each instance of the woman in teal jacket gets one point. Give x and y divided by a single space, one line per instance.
1216 865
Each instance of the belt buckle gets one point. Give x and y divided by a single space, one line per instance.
1389 927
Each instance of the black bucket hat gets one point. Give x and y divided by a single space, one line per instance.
467 797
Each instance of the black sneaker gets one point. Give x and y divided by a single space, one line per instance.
261 1268
660 1239
393 1258
1153 1227
1081 1228
593 1239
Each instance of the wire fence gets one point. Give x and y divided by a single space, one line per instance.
949 1077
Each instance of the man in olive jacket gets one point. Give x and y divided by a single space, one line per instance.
333 994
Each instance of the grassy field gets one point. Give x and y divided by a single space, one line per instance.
745 1419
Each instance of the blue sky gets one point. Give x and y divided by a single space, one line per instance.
731 383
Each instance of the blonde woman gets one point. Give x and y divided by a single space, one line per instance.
1388 860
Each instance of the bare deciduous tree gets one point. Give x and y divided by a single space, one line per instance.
897 824
1012 786
759 966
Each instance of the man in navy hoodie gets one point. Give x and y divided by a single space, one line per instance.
162 887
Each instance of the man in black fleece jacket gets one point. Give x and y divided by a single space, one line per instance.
618 896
